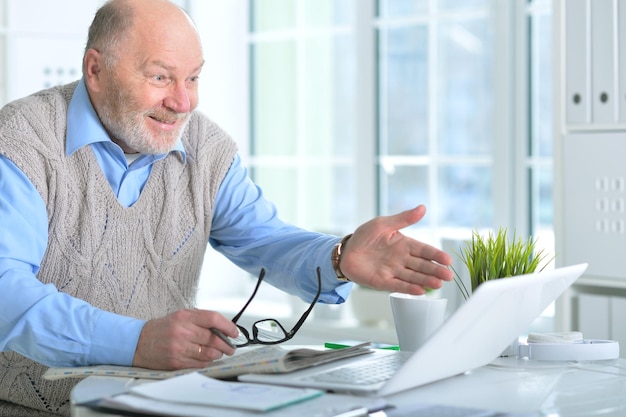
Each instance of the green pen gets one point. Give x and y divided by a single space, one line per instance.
342 344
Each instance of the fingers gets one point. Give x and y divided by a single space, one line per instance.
423 279
409 281
183 339
433 264
214 332
419 273
200 356
427 252
407 217
210 319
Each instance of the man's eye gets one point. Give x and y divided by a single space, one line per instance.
159 79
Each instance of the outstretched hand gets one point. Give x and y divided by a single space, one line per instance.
379 256
183 340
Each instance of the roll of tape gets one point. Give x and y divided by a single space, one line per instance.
562 337
587 350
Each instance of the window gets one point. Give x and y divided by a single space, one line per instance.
360 107
539 151
449 94
436 91
302 139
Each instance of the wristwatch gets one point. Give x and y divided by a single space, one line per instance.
335 258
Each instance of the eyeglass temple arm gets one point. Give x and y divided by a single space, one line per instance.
258 284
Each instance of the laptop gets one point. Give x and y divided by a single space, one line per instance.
495 315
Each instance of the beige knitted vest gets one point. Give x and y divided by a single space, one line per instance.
143 261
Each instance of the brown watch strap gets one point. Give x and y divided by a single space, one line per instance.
335 258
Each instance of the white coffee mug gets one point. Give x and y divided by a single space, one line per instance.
416 317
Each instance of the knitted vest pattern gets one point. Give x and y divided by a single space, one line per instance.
142 261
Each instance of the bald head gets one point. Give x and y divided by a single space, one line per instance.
119 20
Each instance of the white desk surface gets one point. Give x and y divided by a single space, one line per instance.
551 389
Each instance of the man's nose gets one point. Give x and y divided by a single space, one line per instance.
178 98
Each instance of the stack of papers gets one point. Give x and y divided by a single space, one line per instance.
194 394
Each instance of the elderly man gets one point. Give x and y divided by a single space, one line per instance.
110 190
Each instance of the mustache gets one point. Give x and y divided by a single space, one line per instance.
166 116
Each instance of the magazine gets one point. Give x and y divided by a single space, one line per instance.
263 359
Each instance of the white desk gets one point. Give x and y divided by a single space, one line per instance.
507 385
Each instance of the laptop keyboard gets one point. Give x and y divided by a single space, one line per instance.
365 373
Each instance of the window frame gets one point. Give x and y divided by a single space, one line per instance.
512 76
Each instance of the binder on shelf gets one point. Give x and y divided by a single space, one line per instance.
603 60
621 65
577 63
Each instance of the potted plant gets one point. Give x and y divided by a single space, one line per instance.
494 256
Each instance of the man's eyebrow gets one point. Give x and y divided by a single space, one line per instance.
170 67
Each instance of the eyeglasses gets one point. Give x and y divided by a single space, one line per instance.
270 331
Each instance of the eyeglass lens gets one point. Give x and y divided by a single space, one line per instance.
265 331
270 331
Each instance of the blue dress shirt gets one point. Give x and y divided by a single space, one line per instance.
51 327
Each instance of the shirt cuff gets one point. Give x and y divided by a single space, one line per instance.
115 339
342 288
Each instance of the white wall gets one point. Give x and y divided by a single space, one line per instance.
44 43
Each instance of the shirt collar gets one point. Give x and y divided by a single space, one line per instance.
85 128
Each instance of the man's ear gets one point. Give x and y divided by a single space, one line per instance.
93 65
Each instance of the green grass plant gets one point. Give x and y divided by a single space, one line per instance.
495 256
